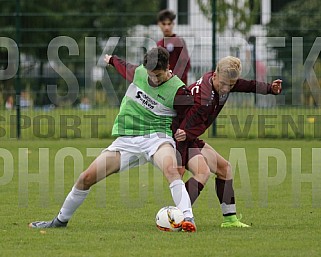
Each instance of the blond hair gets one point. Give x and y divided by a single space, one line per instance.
229 67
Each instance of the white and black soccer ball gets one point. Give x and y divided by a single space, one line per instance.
169 218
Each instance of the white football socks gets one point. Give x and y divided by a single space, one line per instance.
181 197
74 199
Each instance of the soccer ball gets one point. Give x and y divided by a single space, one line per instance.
169 218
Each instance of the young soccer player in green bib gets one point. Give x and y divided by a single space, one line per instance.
143 128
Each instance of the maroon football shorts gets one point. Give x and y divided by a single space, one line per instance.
186 150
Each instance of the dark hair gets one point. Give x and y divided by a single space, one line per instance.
156 59
166 14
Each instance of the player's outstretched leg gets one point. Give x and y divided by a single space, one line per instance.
104 165
74 199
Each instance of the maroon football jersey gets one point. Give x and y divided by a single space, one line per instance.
179 61
208 103
207 106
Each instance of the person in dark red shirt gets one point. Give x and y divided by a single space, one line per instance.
210 95
179 61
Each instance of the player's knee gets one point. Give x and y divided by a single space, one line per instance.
224 171
228 168
208 173
171 173
86 180
205 173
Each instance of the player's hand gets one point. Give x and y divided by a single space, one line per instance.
180 135
107 58
277 86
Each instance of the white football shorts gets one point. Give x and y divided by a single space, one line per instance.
138 150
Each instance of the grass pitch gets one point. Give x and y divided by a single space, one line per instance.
117 218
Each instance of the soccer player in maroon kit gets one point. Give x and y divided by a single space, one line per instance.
210 94
179 61
195 115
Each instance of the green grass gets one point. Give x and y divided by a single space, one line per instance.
120 222
242 122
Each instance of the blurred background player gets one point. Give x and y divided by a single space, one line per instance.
179 61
